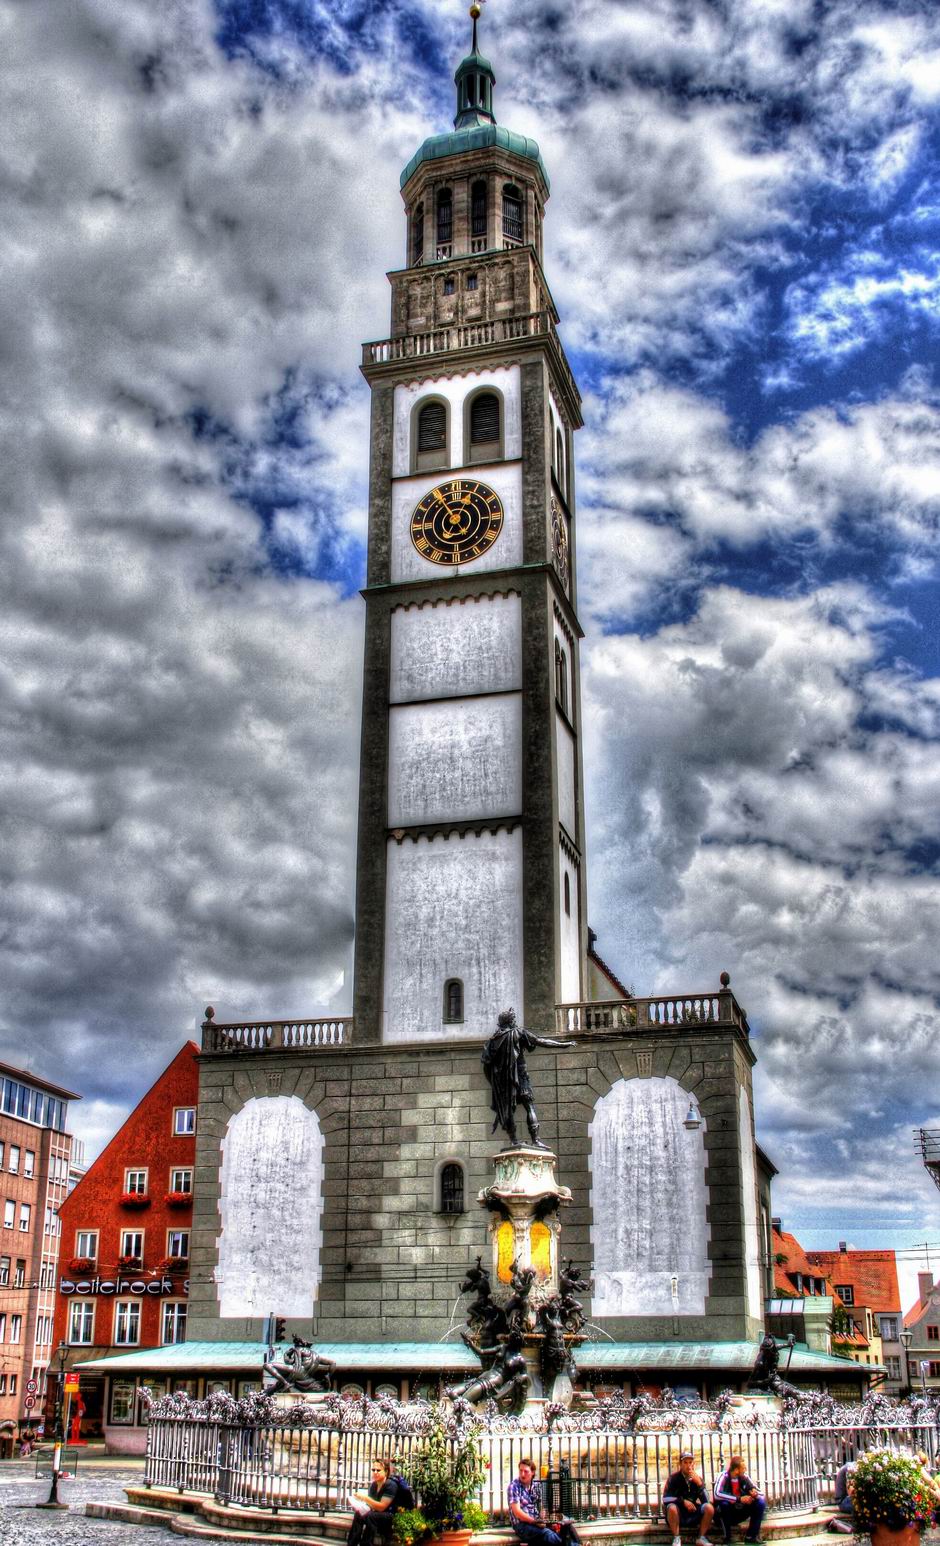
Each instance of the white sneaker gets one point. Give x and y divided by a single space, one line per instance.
677 1540
703 1541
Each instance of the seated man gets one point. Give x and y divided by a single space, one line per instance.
737 1498
685 1501
525 1509
374 1522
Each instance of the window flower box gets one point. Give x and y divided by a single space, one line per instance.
128 1261
179 1199
135 1200
82 1264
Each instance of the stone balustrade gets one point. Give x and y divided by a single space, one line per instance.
468 335
685 1011
275 1035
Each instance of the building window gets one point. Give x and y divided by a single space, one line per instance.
1 1155
445 223
893 1368
16 1327
13 1384
132 1246
126 1323
25 1215
9 1214
449 286
417 234
135 1183
174 1323
82 1322
123 1394
3 1384
29 1164
933 1333
14 1159
184 1121
19 1276
4 1271
485 427
453 1001
432 435
177 1244
561 677
472 281
512 214
452 1188
889 1328
181 1180
845 1292
567 894
86 1244
478 216
933 1370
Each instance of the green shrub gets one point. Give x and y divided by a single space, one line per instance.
890 1489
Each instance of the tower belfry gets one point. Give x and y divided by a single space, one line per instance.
470 877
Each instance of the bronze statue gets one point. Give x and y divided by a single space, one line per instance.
517 1305
572 1310
766 1376
486 1319
506 1383
504 1064
555 1358
302 1370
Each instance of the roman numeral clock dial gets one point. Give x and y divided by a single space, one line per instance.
456 522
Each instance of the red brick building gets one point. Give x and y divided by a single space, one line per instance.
125 1230
35 1155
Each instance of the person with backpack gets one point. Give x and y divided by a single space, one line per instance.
375 1509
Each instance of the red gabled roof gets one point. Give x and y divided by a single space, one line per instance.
797 1261
872 1274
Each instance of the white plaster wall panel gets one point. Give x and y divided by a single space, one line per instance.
449 649
755 1305
648 1202
570 931
455 390
408 564
455 761
271 1203
564 752
453 909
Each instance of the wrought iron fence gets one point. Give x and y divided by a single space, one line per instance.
623 1473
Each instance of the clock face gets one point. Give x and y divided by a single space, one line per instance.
456 522
560 543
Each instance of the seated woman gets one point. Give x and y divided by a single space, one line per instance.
374 1524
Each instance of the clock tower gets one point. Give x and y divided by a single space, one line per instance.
470 875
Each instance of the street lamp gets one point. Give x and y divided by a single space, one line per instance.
53 1499
907 1338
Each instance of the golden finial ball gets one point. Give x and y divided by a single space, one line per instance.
475 12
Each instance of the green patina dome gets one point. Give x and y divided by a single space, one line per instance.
475 137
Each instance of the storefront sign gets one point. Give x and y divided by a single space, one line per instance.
156 1286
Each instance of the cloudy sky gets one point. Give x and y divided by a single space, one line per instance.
201 200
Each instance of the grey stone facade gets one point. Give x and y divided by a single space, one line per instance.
390 1264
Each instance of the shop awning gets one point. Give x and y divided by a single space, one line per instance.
247 1357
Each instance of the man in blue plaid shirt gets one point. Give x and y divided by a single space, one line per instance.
525 1509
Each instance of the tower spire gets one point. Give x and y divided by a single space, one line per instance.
475 81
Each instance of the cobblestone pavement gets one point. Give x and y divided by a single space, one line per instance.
23 1525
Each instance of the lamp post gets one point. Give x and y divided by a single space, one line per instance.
906 1339
53 1499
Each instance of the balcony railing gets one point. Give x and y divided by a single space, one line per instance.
692 1011
468 335
270 1035
928 1141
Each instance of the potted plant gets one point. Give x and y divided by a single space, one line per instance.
447 1474
179 1199
891 1498
135 1200
79 1264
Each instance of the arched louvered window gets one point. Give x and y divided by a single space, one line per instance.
567 894
452 1188
445 223
561 677
430 435
559 459
512 213
453 1001
485 427
478 216
417 234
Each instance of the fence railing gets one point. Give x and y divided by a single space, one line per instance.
314 1468
453 336
671 1010
263 1035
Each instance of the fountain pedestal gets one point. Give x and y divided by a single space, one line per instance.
524 1199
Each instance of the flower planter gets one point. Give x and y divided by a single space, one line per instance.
882 1535
135 1200
454 1537
82 1264
179 1199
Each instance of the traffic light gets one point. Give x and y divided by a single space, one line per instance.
280 1329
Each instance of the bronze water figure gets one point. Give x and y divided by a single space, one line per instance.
504 1065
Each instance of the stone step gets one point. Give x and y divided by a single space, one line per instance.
128 1514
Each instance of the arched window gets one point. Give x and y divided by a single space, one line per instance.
559 459
417 234
453 1001
478 217
431 435
567 894
484 427
452 1188
512 214
445 223
561 677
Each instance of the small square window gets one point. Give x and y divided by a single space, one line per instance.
448 287
86 1244
184 1121
933 1333
177 1244
135 1183
472 281
181 1181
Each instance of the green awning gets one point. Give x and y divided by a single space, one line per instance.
247 1357
733 1356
